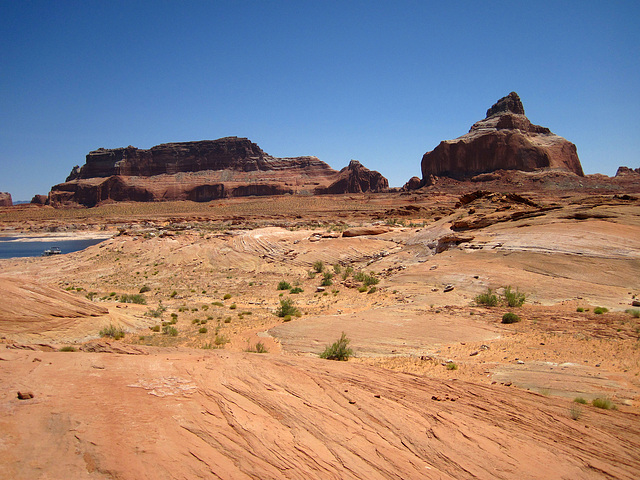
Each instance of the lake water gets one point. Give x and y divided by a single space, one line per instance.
10 248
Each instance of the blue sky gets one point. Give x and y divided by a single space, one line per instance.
380 82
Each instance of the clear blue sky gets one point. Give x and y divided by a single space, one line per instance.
381 82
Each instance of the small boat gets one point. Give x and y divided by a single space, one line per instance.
51 251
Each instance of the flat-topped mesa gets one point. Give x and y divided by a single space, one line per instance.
202 171
504 140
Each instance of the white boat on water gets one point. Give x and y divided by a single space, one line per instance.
51 251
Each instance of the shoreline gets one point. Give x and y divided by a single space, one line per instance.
16 237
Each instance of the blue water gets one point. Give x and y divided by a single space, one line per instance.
9 249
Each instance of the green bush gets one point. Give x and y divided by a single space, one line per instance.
145 288
169 330
284 285
452 366
604 403
227 296
634 312
258 348
510 317
67 348
367 280
600 310
327 279
218 304
337 269
339 350
318 266
372 290
173 294
233 306
133 298
287 307
487 299
580 400
362 288
295 290
112 331
220 340
202 330
514 299
157 313
155 328
579 309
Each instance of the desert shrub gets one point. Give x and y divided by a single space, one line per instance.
218 304
145 288
233 306
604 403
579 309
90 295
339 350
318 266
347 271
295 290
452 366
575 412
367 280
227 320
220 340
112 331
287 307
195 321
487 299
173 294
133 298
600 310
205 307
580 400
157 313
67 348
174 316
510 317
327 279
155 328
227 296
284 285
169 330
258 348
202 330
513 299
362 288
337 269
372 290
287 318
633 312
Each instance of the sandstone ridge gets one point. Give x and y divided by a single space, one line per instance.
203 171
504 140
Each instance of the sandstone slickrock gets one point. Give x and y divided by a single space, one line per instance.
39 200
5 200
203 171
504 140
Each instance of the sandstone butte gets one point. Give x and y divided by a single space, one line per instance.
203 171
5 199
504 140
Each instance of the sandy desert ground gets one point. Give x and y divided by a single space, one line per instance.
438 386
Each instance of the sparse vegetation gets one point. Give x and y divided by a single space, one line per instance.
372 290
220 340
284 285
233 306
157 313
218 304
112 331
514 299
287 307
67 348
575 412
603 403
202 330
579 309
600 310
452 366
487 299
580 400
327 279
339 350
634 312
145 288
296 290
169 330
155 328
227 296
510 317
133 298
318 266
259 347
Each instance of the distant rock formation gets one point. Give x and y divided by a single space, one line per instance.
39 200
203 171
626 171
355 178
5 199
504 140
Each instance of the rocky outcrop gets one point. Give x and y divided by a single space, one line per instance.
504 140
355 178
626 171
5 200
39 200
414 183
202 171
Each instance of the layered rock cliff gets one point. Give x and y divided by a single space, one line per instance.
504 140
5 200
203 171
